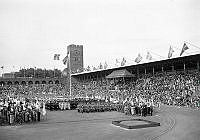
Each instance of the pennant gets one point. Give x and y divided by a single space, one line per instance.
94 68
138 59
65 60
149 56
117 62
123 62
56 57
105 65
88 68
171 51
185 47
100 66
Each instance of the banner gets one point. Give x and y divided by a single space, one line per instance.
185 47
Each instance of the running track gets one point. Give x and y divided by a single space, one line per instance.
176 124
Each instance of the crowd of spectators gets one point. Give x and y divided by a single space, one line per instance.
172 88
90 88
32 90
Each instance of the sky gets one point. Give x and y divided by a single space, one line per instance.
32 31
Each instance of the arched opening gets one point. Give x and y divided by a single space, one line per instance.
30 82
56 82
9 83
16 83
44 82
50 82
2 83
37 82
23 83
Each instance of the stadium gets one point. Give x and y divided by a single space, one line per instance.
99 70
154 100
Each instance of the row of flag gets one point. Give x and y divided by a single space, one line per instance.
138 59
57 57
170 53
171 50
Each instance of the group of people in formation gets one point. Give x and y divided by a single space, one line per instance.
21 110
57 105
96 107
64 105
140 108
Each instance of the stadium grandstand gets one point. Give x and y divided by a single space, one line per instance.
172 81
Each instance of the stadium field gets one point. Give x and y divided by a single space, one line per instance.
176 124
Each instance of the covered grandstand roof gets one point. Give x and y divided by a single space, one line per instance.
178 64
120 73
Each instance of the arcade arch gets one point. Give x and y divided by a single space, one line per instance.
9 83
44 82
30 82
57 82
2 83
23 83
16 83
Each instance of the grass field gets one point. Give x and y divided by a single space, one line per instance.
176 124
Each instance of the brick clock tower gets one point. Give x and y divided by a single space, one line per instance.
75 52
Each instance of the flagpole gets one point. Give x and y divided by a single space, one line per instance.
2 70
192 45
54 72
70 82
34 72
13 71
24 72
44 72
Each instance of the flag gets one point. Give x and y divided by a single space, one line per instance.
149 56
171 51
123 62
94 68
84 69
56 57
65 60
88 68
105 65
185 47
117 62
100 66
138 59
